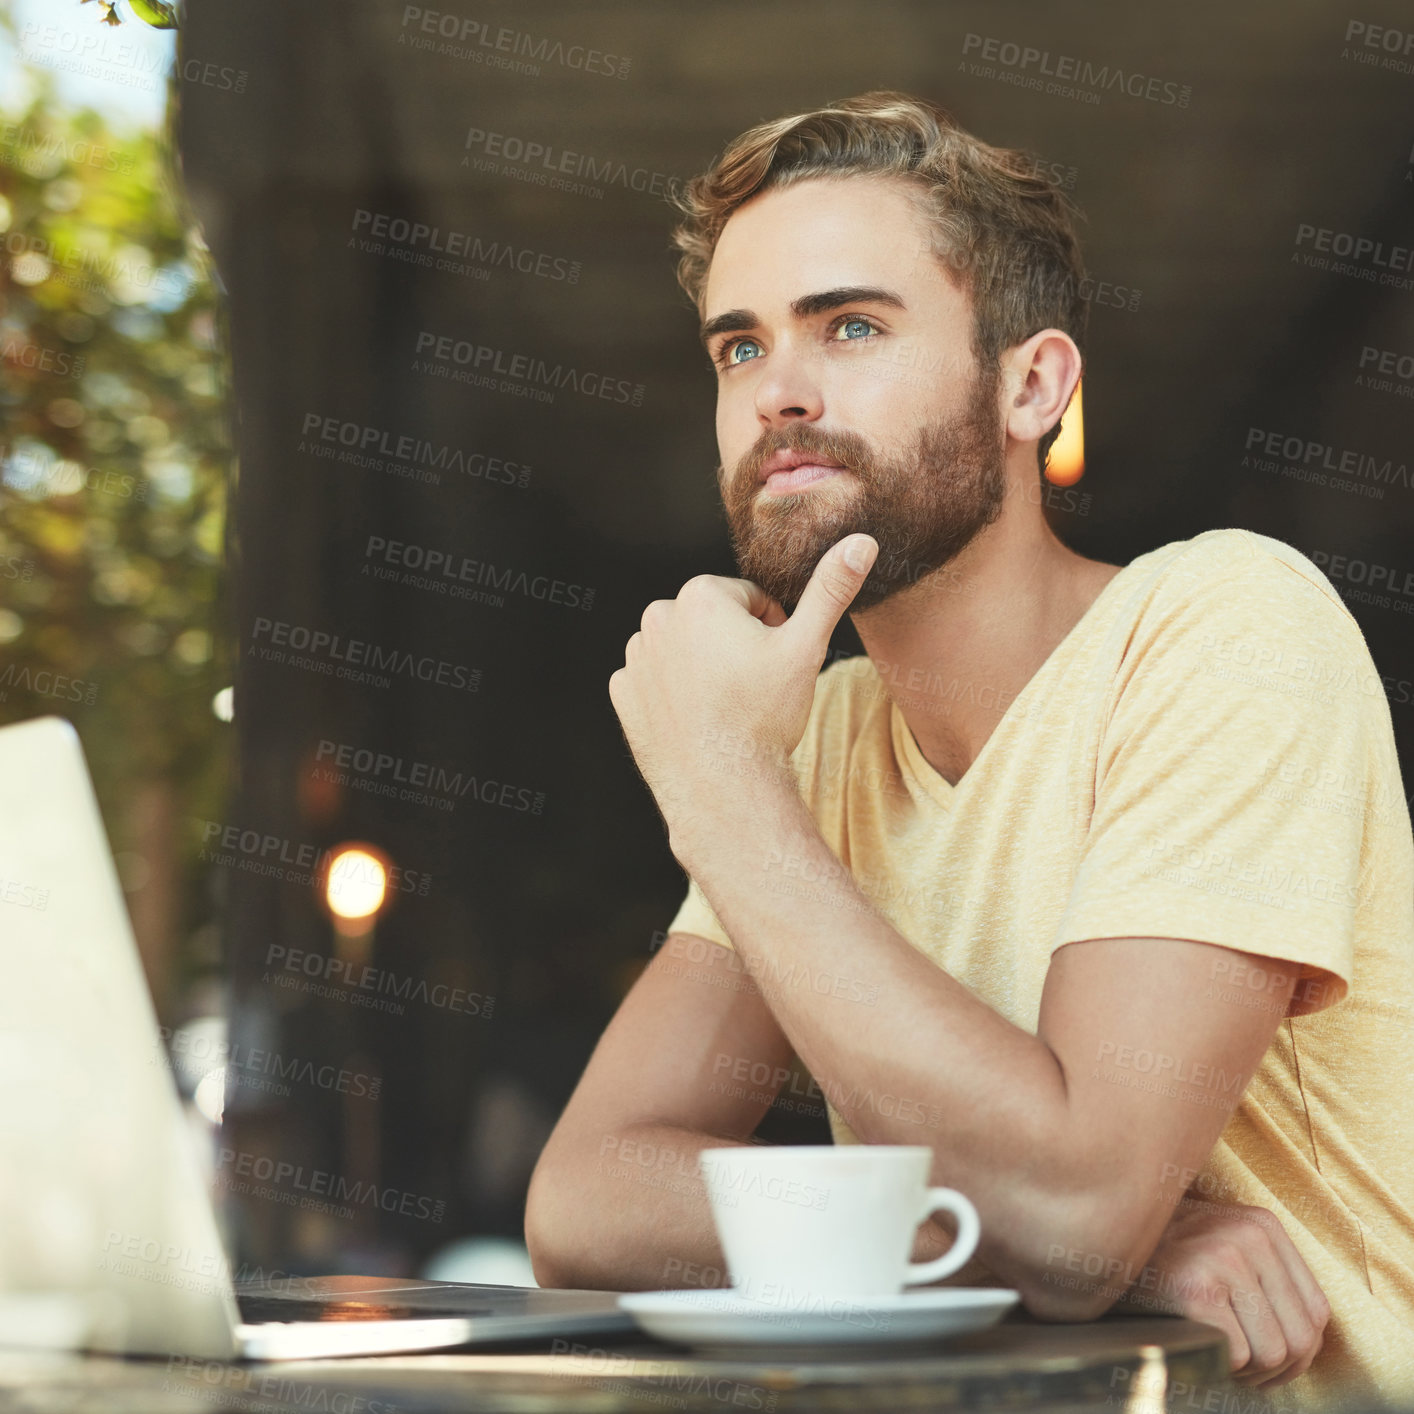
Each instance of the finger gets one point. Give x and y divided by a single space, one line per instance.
1300 1334
831 590
1208 1301
1299 1303
1272 1319
653 611
617 679
755 601
1318 1309
1262 1334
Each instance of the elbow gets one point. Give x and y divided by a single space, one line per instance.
1047 1297
1083 1262
545 1261
549 1277
541 1246
548 1234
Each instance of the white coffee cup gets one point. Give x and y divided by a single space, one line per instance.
825 1220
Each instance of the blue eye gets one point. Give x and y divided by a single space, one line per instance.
856 323
730 352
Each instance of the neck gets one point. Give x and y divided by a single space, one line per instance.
954 649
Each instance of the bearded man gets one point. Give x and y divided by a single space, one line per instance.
1098 880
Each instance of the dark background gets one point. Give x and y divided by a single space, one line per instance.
1193 208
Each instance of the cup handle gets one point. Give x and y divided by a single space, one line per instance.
969 1229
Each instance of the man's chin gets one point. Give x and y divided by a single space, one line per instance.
786 541
784 589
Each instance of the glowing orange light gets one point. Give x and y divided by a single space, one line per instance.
356 885
1067 461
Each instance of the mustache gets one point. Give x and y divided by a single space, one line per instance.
848 448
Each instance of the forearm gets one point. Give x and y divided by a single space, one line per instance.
626 1211
631 1214
906 1054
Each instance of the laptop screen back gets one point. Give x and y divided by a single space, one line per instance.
101 1196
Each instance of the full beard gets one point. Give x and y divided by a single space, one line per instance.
923 509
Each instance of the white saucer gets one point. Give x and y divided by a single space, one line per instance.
726 1317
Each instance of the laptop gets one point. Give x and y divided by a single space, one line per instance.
102 1198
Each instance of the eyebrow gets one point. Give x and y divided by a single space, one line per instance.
735 321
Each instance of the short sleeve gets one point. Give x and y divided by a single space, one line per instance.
695 915
1234 775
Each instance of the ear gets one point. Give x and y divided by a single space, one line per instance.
1039 376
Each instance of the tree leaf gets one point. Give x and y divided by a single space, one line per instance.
155 13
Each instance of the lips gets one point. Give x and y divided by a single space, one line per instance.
789 460
797 477
792 469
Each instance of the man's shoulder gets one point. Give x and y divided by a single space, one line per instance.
1233 615
1241 578
1249 552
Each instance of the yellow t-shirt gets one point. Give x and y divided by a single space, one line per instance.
1208 754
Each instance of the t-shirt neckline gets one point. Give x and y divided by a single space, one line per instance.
911 756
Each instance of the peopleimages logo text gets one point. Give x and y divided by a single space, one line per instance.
17 349
274 640
1067 68
526 369
403 453
438 566
529 153
223 843
458 30
283 1175
422 775
433 240
38 152
373 987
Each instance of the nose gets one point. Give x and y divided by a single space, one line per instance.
788 391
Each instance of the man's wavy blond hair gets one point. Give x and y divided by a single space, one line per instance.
1004 230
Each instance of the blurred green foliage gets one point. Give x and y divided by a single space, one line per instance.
154 12
114 465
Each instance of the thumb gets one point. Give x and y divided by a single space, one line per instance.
832 588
